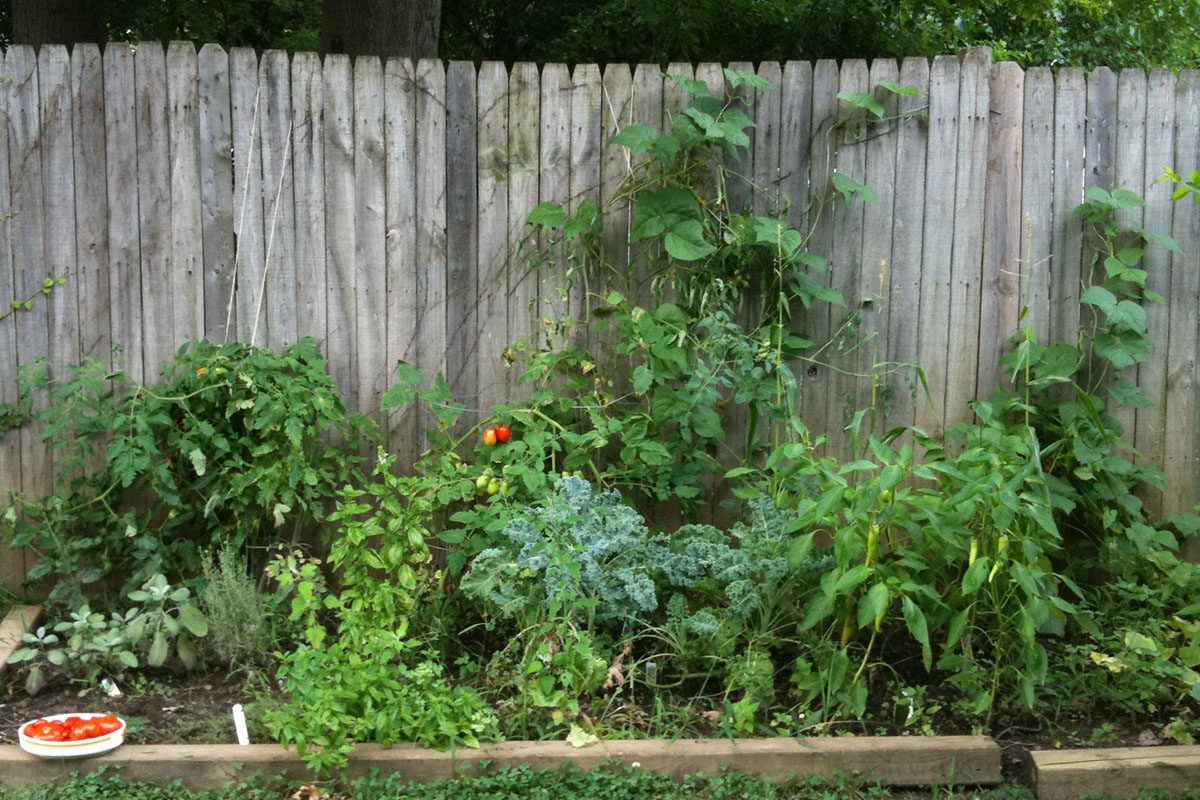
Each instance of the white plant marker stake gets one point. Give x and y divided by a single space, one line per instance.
239 723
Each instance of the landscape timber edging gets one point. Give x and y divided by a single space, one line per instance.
18 620
891 760
1118 772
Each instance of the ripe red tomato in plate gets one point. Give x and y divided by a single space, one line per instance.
108 724
86 729
47 731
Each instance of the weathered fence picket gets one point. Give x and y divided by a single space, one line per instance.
12 562
1152 373
428 271
341 307
554 181
400 113
246 104
58 186
216 191
462 239
186 282
966 258
1130 174
876 263
278 318
1181 449
380 208
370 232
27 232
816 322
904 284
1070 101
933 315
1037 196
308 185
1000 301
850 160
524 159
492 281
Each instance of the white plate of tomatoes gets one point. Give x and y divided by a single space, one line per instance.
72 735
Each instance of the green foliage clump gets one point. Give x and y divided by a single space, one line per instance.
244 622
1089 33
104 784
584 555
87 646
610 781
992 543
231 445
582 581
1139 652
368 688
368 682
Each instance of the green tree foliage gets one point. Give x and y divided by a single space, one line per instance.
262 24
1119 33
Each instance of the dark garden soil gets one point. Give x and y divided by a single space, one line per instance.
164 709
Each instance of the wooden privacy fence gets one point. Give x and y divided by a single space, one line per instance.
377 206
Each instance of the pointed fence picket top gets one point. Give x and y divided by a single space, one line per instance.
379 207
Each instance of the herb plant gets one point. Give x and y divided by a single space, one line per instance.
88 645
368 681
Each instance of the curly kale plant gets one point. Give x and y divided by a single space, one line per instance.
584 555
582 579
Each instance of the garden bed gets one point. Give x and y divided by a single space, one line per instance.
517 582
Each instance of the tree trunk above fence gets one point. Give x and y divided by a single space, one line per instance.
38 22
404 28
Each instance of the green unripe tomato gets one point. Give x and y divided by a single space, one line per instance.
885 497
493 486
481 483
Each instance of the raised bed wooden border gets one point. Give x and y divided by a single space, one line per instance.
1118 772
891 760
